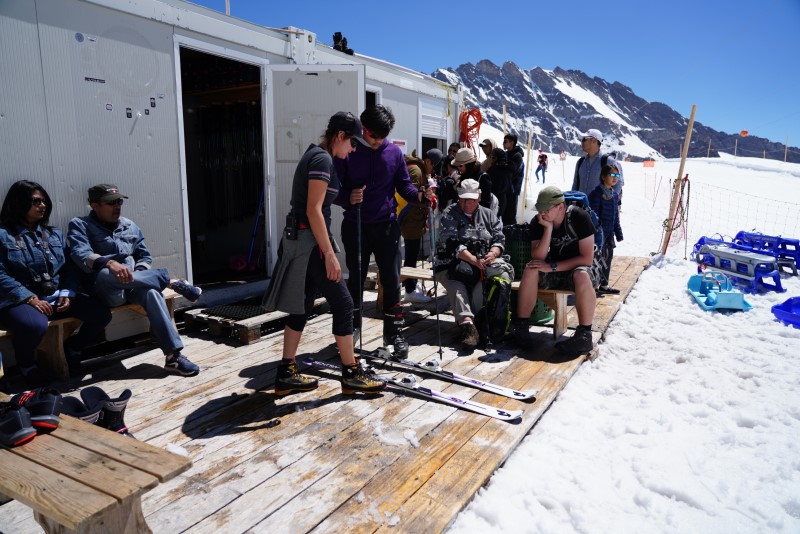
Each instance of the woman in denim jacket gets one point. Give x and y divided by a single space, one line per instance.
35 283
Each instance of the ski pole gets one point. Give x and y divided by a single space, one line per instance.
435 282
358 274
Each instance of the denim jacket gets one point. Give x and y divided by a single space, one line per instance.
92 244
18 264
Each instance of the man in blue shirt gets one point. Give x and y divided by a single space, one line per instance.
110 249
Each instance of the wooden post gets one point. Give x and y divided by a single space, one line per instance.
709 148
676 190
524 202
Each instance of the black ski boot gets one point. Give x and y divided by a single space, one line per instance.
393 323
289 380
112 411
356 378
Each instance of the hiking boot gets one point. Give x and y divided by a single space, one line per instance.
180 364
112 411
43 405
185 289
76 408
356 378
393 323
520 329
15 425
289 380
579 343
468 335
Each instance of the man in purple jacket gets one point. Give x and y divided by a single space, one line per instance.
370 176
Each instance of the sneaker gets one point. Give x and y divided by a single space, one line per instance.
112 411
416 296
74 407
579 343
43 405
520 329
15 425
289 380
180 364
356 378
185 289
469 335
607 290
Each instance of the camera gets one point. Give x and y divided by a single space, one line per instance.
43 285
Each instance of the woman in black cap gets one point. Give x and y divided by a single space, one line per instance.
38 284
307 262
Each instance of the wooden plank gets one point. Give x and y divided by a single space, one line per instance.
61 498
97 471
136 454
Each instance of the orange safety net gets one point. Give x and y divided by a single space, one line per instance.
470 126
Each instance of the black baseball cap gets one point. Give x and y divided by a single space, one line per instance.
348 123
104 193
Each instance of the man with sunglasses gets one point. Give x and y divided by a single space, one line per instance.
110 249
587 170
370 178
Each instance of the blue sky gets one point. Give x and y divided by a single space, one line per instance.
738 60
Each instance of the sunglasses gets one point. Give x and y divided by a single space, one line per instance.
614 174
38 201
117 202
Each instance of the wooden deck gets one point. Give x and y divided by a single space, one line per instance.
321 461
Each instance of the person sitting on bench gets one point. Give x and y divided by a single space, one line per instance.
37 284
111 250
469 249
561 259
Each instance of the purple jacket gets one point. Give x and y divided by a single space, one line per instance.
383 171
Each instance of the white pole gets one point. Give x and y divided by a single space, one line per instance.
228 7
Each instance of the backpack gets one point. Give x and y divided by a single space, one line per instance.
578 198
495 317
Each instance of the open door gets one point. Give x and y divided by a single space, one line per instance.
301 99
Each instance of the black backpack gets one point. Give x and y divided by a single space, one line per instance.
495 317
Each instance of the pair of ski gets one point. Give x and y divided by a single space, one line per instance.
409 383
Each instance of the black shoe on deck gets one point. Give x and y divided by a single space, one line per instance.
520 329
112 411
289 380
400 346
356 378
579 343
15 425
43 405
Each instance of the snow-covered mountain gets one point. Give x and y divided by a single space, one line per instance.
556 106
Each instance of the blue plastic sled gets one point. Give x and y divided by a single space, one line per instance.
714 291
788 312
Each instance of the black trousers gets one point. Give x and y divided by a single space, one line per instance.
334 292
382 240
607 253
412 252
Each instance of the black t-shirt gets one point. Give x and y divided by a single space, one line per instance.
563 246
316 164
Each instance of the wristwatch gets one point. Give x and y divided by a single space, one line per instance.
554 266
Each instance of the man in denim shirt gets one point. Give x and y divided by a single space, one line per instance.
111 249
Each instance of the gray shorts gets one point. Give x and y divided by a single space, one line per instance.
563 280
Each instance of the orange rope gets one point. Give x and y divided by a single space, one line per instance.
470 126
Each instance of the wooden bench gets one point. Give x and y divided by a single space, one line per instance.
554 298
51 350
84 478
